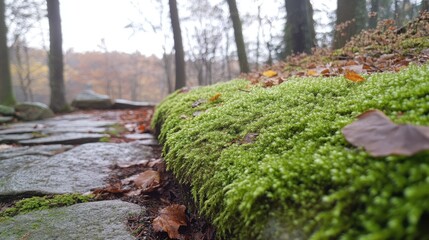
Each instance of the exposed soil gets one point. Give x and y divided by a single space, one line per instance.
169 192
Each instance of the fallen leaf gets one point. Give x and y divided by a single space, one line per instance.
312 73
170 219
325 71
269 73
353 76
249 138
148 180
381 137
215 97
198 103
140 128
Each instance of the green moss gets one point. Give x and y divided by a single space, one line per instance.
299 176
41 203
421 43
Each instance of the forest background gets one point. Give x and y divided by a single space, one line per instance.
208 40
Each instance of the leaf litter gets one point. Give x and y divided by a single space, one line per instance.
379 136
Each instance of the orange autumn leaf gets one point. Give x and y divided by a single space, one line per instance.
141 128
353 76
215 97
312 73
269 73
170 219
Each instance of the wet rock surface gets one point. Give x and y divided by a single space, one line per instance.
78 170
64 154
94 220
125 104
67 129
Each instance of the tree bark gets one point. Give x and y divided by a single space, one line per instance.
238 33
424 6
178 46
373 19
300 34
7 96
351 19
58 101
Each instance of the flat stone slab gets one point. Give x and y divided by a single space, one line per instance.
149 142
126 104
47 150
15 137
78 170
6 119
66 138
94 220
139 136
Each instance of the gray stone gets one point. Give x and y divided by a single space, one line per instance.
94 220
17 130
30 111
6 111
6 119
78 170
139 136
72 129
66 138
125 104
13 138
88 99
47 150
149 142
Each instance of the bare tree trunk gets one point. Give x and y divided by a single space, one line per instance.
299 34
425 6
373 19
6 90
56 66
238 33
258 38
351 18
178 46
167 70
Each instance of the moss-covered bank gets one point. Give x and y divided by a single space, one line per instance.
271 163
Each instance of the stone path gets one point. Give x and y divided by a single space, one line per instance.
64 155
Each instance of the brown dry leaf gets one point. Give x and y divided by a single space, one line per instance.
148 180
381 137
325 71
170 219
269 73
353 76
215 97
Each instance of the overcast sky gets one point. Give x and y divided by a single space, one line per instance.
86 22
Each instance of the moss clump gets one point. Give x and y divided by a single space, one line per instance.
46 202
299 177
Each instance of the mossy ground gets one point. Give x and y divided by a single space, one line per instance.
40 203
299 175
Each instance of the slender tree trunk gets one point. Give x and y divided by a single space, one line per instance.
425 6
167 69
300 34
178 46
351 19
238 33
373 19
56 66
7 96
